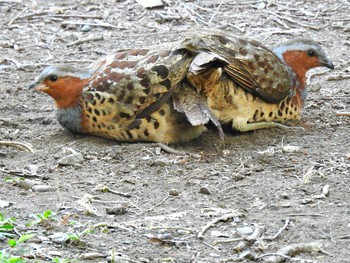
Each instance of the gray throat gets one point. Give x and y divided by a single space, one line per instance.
70 118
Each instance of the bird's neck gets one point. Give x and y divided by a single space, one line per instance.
68 99
294 60
71 118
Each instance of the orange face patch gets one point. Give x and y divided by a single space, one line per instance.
66 91
300 62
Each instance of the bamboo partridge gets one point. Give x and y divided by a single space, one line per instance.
169 93
250 86
127 96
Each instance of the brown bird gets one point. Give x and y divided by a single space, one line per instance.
250 86
127 96
169 93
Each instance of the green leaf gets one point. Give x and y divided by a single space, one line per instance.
25 237
12 242
6 227
15 260
47 214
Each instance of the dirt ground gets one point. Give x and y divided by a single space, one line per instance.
262 191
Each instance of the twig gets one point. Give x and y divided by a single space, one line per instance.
345 113
170 150
84 40
211 246
292 250
338 77
119 193
17 16
18 145
258 232
99 24
286 223
223 218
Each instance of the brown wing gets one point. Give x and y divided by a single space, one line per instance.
132 84
194 106
249 63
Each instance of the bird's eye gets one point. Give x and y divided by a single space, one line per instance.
311 53
53 78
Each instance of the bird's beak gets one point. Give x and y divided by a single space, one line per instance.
327 63
33 85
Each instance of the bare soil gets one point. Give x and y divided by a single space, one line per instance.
143 204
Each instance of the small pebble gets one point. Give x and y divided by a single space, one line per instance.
43 188
85 28
92 255
117 210
71 159
244 231
174 192
204 190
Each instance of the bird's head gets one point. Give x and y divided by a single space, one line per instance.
63 83
302 55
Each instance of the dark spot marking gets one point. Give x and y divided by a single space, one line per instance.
148 118
286 110
161 70
135 124
141 73
223 40
102 100
229 99
89 109
156 124
243 51
142 99
256 115
121 55
130 86
136 52
164 53
121 95
124 115
152 59
295 108
146 133
107 70
111 100
129 134
261 64
243 42
157 95
129 100
283 104
116 77
255 43
166 83
270 114
124 64
94 103
262 114
145 82
87 116
97 112
280 113
257 57
162 112
98 96
94 119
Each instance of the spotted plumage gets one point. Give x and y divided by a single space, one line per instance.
250 86
125 96
169 93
